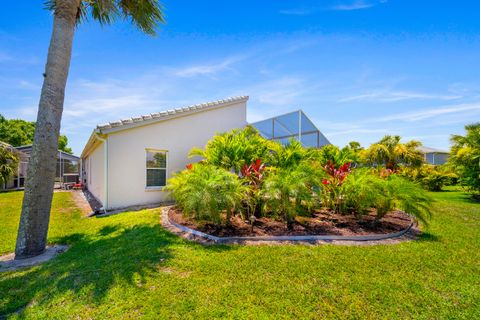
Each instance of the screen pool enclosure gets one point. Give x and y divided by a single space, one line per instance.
294 125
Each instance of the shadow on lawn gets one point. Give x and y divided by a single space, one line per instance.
93 265
429 237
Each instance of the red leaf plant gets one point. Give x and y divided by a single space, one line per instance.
253 174
336 175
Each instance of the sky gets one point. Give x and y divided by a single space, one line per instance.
360 69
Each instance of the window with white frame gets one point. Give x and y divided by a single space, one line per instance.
156 168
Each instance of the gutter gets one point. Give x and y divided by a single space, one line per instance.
105 173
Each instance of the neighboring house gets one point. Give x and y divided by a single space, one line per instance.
128 162
67 167
293 125
434 156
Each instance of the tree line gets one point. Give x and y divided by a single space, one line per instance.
18 132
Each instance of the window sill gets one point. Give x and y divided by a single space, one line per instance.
154 189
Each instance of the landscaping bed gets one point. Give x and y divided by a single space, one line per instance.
320 223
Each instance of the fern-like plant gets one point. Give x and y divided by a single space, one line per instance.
205 192
234 149
287 190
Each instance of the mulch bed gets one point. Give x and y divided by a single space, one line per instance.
320 223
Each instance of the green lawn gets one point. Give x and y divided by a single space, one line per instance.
127 266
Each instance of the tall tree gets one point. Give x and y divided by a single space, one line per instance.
146 15
389 151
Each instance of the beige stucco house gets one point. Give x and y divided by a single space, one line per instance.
128 162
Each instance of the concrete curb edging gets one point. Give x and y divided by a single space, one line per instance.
8 262
195 235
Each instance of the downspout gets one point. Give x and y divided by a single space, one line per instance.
105 173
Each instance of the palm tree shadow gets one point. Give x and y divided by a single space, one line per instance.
93 264
430 237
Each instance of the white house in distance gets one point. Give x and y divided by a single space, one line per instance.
127 163
434 156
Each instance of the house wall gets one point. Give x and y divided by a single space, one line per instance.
177 136
436 158
94 169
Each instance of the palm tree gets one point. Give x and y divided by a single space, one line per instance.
67 14
389 151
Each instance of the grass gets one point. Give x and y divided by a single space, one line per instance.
127 266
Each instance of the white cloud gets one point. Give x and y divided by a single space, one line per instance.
356 5
395 96
297 12
430 113
208 69
279 92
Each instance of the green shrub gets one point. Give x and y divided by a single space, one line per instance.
333 154
432 178
400 193
204 192
288 191
234 149
360 192
286 156
465 158
365 190
8 162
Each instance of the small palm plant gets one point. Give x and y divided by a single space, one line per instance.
8 163
286 156
286 190
204 192
465 158
234 149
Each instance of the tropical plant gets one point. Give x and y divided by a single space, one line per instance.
398 193
336 174
287 191
205 192
359 192
8 163
390 152
253 174
366 190
67 14
288 155
234 149
465 157
432 178
333 154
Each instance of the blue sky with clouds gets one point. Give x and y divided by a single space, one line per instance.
359 69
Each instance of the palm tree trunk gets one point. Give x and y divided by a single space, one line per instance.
33 229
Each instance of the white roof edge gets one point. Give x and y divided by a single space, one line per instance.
425 149
166 114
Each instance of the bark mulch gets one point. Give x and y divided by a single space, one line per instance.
320 223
